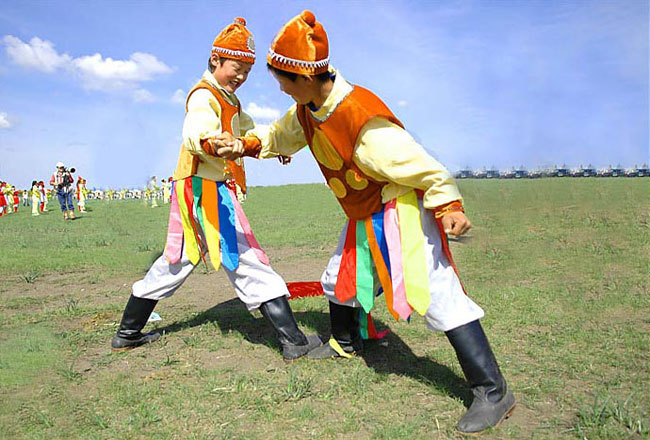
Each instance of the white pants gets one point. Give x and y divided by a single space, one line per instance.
449 307
254 282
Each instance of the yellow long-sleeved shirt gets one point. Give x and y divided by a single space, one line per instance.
203 119
35 192
383 150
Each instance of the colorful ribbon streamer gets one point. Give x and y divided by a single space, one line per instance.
394 245
346 281
248 232
414 261
365 280
210 211
174 245
229 249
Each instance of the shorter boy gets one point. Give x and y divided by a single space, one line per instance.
206 216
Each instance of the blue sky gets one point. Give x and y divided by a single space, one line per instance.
100 85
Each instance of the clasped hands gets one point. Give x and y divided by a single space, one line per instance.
228 147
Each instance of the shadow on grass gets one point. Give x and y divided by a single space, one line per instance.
229 316
396 358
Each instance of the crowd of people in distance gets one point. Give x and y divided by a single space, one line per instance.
75 191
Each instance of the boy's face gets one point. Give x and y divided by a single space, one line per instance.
230 74
299 90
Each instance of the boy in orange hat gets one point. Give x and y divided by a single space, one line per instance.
206 217
400 202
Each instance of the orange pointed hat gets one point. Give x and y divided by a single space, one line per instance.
235 42
301 46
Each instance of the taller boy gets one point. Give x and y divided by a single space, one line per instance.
400 203
206 216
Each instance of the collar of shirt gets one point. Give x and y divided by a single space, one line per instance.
209 78
340 90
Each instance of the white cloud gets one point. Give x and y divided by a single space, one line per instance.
100 73
262 113
178 97
4 121
95 71
402 103
37 54
142 95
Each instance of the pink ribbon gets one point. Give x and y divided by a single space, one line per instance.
174 246
248 232
391 230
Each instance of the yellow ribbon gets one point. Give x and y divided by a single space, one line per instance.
414 259
338 349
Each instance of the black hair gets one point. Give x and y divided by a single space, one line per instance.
34 183
221 60
321 77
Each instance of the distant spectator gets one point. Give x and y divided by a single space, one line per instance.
62 181
81 194
36 198
3 200
43 196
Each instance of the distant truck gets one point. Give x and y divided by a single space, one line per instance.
465 173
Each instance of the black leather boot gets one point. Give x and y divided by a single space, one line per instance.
136 314
493 401
346 337
294 342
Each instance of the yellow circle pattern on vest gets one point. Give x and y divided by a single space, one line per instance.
338 188
355 181
324 152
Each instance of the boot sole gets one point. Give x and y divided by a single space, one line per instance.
311 342
476 434
131 347
117 350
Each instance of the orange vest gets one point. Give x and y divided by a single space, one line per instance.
188 163
358 194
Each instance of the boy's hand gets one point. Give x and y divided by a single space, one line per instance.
226 146
456 223
231 151
223 138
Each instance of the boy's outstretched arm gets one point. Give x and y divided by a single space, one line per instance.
410 166
228 147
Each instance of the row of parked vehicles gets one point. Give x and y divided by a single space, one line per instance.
564 171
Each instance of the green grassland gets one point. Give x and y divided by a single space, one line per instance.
561 267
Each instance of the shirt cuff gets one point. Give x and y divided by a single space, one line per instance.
447 208
208 147
252 146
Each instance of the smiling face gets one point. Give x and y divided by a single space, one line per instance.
230 74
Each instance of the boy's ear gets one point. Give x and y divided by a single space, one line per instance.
215 60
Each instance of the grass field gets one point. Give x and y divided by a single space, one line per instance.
561 267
